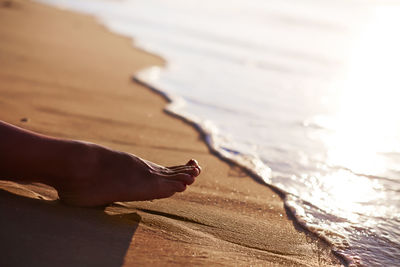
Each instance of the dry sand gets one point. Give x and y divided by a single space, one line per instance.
64 75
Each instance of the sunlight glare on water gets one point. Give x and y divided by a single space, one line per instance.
368 121
361 131
362 123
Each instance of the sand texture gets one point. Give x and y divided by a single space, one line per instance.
63 74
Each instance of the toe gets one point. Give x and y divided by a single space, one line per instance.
184 168
192 162
194 172
181 177
185 178
191 170
170 187
180 187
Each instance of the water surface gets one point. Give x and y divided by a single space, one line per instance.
303 92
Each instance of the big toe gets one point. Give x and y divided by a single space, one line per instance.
169 187
184 178
174 185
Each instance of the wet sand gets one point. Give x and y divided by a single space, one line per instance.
62 74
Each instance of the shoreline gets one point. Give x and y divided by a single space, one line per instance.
173 109
217 221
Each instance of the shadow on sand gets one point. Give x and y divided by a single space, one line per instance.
45 233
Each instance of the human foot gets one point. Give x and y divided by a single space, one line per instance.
104 176
86 174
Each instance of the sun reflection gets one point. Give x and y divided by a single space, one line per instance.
364 125
366 122
350 193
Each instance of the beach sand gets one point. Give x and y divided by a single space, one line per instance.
64 75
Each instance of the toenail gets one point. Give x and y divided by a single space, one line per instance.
193 161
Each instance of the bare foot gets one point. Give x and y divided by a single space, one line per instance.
86 174
102 176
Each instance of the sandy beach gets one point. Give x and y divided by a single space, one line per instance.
62 74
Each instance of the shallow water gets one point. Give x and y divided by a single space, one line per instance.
305 93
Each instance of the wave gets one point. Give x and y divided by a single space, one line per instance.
252 164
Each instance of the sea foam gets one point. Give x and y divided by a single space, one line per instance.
301 93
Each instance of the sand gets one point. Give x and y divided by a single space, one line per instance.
63 74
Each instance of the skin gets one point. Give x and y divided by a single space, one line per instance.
87 174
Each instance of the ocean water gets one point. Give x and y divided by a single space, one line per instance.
304 93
